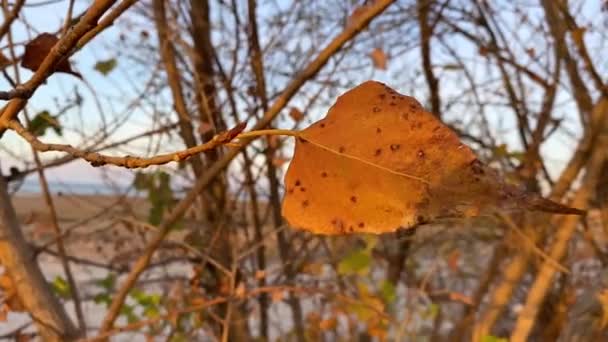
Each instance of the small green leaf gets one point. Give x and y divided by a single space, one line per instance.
108 282
388 292
356 262
151 312
106 67
42 121
103 298
61 287
433 311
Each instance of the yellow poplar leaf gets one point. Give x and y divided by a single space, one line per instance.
379 58
378 161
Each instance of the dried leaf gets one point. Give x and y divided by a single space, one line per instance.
296 114
453 259
379 58
378 161
4 61
37 50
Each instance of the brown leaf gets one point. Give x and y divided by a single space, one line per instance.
378 161
453 259
296 114
379 58
37 50
4 61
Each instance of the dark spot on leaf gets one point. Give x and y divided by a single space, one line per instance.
378 130
393 104
413 107
305 203
395 147
419 125
378 152
322 125
376 109
303 189
436 128
382 96
290 191
297 182
341 149
353 199
323 174
420 219
338 224
361 224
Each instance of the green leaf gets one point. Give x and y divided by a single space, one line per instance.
144 299
141 181
106 67
357 262
433 311
103 298
490 338
388 292
61 287
108 282
42 121
127 311
151 312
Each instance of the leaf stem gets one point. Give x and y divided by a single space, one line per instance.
261 132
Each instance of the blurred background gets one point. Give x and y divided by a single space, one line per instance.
521 82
